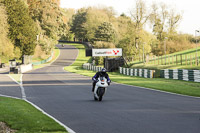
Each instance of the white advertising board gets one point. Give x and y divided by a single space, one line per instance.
107 52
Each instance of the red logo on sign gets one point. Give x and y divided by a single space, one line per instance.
115 52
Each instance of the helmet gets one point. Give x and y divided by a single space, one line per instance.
103 71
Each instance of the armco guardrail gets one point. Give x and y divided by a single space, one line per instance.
43 61
89 66
181 74
137 72
87 44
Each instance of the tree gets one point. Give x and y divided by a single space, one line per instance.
126 35
67 17
86 21
6 47
105 32
159 20
173 21
78 21
22 29
140 16
50 21
165 22
49 16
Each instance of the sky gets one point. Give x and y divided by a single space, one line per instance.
190 10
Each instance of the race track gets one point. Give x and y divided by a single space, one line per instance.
124 109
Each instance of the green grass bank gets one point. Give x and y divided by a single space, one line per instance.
24 118
186 59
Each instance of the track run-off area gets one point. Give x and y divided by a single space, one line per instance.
125 109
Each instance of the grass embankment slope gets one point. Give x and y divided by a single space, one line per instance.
169 85
55 55
188 58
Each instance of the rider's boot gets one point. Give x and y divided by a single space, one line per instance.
93 86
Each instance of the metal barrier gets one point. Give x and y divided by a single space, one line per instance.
137 72
44 61
89 66
181 74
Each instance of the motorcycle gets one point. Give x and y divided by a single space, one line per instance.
100 88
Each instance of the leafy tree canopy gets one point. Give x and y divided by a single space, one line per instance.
22 29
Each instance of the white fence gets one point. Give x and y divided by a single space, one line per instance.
89 66
137 72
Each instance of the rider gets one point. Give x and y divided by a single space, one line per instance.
96 76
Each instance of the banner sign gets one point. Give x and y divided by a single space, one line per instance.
107 52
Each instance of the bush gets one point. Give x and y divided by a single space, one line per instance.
102 44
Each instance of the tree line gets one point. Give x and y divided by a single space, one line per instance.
30 27
34 26
102 27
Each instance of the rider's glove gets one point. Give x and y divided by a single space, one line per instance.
96 80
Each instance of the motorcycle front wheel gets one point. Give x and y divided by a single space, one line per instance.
100 98
95 98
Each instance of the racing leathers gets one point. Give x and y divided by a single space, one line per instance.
96 76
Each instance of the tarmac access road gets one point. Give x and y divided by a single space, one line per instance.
124 109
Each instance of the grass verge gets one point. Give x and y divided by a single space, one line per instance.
23 117
169 85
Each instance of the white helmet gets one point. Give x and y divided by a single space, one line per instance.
103 70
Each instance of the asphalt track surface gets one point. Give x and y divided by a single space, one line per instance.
8 87
124 109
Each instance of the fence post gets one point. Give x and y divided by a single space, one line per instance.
176 60
168 60
196 59
181 59
190 60
186 60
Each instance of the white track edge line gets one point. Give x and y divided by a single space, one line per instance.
10 97
21 86
67 128
24 98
